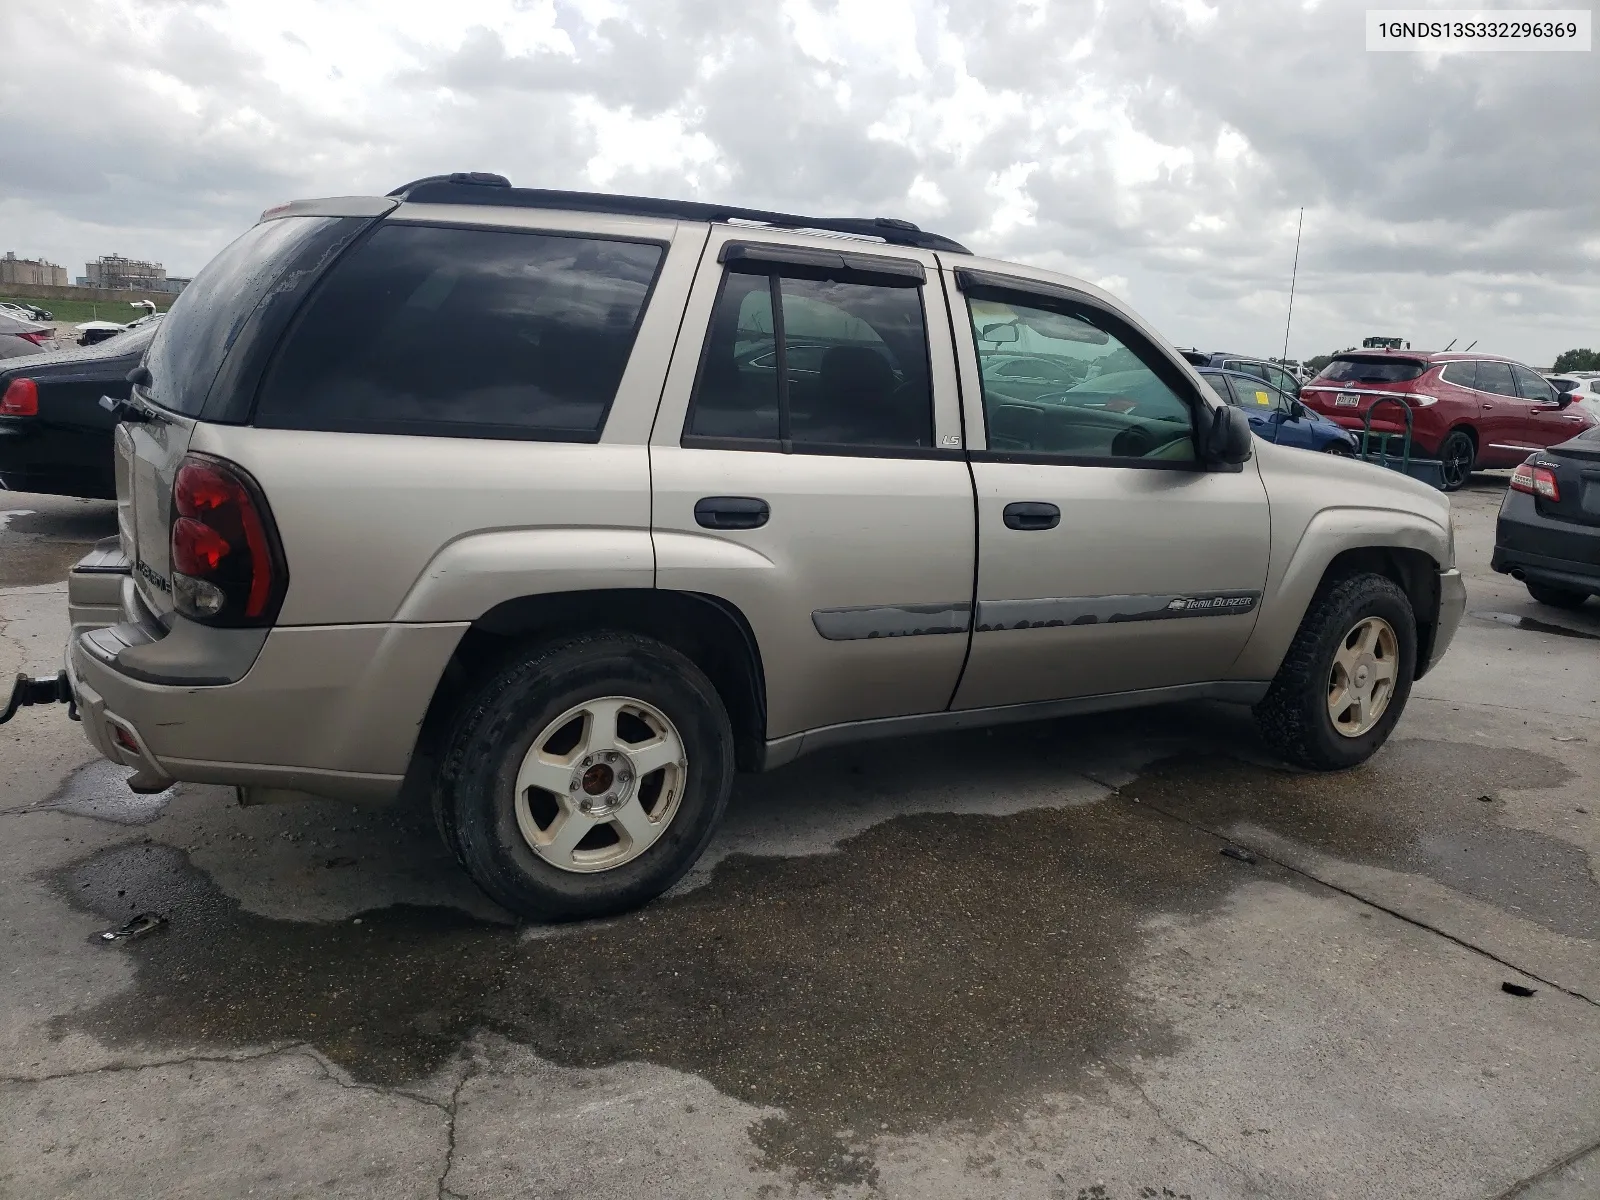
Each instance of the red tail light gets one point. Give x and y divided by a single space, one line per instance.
38 337
227 568
1536 481
21 399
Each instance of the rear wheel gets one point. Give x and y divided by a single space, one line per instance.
1557 597
1347 676
1456 455
1342 449
587 777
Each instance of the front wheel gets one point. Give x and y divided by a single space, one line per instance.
1557 597
587 777
1342 449
1347 676
1456 454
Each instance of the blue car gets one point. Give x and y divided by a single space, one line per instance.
1277 416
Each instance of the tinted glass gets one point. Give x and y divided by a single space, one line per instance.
205 320
1532 386
1495 377
855 361
1111 404
1462 374
462 333
1372 370
736 395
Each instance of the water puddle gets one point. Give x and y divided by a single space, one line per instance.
1536 625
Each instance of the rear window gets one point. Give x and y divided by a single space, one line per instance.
205 321
1372 370
464 333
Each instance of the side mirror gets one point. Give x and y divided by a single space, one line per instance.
1227 440
1297 410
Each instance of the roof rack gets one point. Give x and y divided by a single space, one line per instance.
481 187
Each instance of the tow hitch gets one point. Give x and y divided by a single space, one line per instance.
52 689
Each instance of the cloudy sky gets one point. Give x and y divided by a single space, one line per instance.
1161 148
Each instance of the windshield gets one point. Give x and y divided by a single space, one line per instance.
1372 370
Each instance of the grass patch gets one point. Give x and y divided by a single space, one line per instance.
72 312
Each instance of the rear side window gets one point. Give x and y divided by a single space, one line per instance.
464 333
1219 384
1495 377
1372 370
844 364
205 321
1462 374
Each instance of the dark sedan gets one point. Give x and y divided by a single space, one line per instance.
54 436
1548 535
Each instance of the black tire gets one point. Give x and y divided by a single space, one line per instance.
1293 716
496 726
1557 597
1456 457
1340 449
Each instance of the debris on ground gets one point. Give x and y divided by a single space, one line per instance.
1517 989
1239 853
135 927
1487 799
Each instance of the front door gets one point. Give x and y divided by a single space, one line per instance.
807 470
1544 421
1109 560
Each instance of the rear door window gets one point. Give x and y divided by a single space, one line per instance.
1462 374
464 333
1221 385
1495 377
843 365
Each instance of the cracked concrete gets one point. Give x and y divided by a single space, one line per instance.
1325 1022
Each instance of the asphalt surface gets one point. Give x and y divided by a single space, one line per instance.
1009 963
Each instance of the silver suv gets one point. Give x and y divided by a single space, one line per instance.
565 507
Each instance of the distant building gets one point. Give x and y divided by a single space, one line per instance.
31 270
114 271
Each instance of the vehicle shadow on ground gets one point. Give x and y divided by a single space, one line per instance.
992 891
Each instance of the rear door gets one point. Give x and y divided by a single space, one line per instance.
1500 421
1109 559
807 468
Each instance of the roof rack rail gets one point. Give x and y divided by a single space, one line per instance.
481 187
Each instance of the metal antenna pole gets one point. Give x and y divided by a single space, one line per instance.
1293 275
1473 343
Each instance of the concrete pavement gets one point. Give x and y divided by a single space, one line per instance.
1007 963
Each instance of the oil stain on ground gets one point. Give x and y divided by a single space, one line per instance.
937 968
1425 807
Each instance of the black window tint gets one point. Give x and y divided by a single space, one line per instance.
205 320
464 332
1121 402
1495 377
1532 386
737 394
854 359
1372 370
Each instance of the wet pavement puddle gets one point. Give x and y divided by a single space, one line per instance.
937 968
1534 625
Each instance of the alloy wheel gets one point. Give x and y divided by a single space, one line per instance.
1362 680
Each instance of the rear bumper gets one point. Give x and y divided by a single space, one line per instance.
327 710
1529 545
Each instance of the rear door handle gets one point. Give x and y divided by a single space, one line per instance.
1032 514
731 512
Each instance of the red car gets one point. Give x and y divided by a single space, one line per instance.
1469 411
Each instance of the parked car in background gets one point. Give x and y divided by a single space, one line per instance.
1276 415
1226 360
1469 411
1548 534
20 337
28 312
54 436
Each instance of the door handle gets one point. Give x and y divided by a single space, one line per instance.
1032 514
731 512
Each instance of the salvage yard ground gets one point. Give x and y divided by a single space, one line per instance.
1005 963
